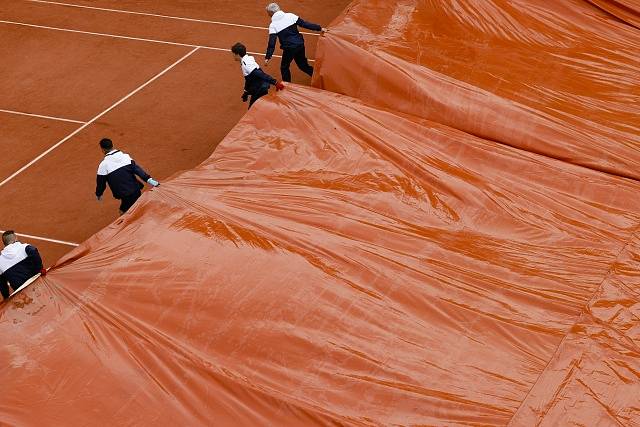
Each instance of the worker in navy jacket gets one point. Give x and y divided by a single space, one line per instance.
18 263
256 81
120 171
284 27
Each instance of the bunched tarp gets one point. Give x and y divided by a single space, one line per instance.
334 262
627 11
560 78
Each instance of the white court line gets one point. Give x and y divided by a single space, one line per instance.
204 21
130 38
66 138
41 116
62 242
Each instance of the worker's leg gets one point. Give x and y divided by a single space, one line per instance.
301 60
128 201
285 63
4 288
263 91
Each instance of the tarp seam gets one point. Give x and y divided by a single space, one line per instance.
579 315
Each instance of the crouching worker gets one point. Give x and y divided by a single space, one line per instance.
19 262
256 81
120 171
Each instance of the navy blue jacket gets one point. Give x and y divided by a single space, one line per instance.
18 263
255 80
284 27
119 171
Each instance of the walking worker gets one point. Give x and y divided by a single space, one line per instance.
284 26
19 262
256 81
120 171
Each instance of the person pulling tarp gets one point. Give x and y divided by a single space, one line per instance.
19 262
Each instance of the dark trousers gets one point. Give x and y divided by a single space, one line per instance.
262 92
298 54
4 289
127 201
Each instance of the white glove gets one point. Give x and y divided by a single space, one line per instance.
152 182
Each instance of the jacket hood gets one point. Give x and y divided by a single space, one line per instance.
278 15
11 251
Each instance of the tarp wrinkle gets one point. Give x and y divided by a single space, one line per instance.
447 235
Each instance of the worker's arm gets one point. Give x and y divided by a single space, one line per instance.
139 171
142 174
101 180
264 76
101 185
271 46
34 255
308 25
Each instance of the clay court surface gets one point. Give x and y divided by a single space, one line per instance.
155 76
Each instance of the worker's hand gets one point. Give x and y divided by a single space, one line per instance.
324 30
43 271
245 97
152 182
266 62
99 198
279 86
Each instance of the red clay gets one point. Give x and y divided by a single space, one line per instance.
23 138
240 12
171 125
150 27
74 76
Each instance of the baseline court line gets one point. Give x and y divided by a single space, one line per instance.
130 38
75 132
41 116
62 242
204 21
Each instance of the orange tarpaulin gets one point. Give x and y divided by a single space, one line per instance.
428 250
560 78
337 263
627 11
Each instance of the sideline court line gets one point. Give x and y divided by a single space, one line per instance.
41 116
62 242
45 27
204 21
75 132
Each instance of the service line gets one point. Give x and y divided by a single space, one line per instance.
41 116
91 33
45 239
75 132
203 21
